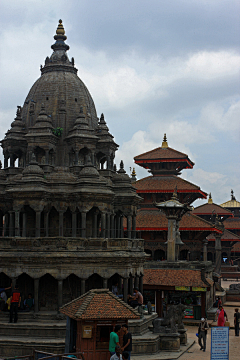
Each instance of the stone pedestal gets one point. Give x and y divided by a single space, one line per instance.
183 336
170 342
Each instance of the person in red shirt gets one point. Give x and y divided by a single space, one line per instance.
15 301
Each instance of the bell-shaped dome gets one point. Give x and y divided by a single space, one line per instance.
33 170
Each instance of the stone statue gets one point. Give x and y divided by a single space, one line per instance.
174 315
149 307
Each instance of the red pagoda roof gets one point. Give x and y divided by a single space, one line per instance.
173 277
226 236
207 209
154 220
161 153
232 223
99 304
167 184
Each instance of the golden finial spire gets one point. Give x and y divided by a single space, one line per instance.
210 199
60 29
134 172
164 143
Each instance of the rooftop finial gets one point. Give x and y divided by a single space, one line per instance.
60 30
165 143
134 175
210 199
174 195
232 195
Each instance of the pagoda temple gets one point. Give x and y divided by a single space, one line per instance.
165 165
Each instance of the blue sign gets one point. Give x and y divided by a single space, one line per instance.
220 343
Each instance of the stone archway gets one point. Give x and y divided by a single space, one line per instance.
48 293
71 288
159 254
26 285
149 252
95 281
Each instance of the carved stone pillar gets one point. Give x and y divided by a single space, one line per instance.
17 223
95 232
121 227
6 224
125 289
61 222
129 226
84 224
105 283
131 285
136 281
218 249
11 228
83 286
171 244
205 242
24 228
38 223
103 225
134 227
60 293
141 284
74 224
36 289
112 225
46 215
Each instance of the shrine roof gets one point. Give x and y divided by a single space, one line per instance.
154 220
99 304
231 204
207 209
226 236
162 183
236 247
163 153
232 223
173 277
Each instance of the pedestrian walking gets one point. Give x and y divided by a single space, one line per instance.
15 301
222 317
202 333
236 322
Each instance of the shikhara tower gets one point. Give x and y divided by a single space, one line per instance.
61 198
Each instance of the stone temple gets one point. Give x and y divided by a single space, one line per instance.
62 199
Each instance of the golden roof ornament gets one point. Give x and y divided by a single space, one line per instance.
165 143
210 199
60 30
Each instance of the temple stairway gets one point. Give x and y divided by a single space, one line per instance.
41 332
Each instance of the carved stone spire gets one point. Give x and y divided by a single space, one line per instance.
134 175
210 199
60 38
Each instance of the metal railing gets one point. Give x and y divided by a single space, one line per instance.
37 354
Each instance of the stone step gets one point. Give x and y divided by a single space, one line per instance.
31 316
53 329
24 345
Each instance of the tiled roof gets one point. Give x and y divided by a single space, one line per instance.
156 220
232 223
163 183
99 304
207 209
162 153
236 247
173 277
227 236
231 204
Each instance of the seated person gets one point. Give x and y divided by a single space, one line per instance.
115 290
3 299
29 302
136 299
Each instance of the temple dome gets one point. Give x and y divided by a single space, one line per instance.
60 89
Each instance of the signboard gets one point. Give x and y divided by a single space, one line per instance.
87 332
182 288
220 343
189 313
196 288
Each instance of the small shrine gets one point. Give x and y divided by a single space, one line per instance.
90 320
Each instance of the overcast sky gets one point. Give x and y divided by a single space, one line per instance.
152 67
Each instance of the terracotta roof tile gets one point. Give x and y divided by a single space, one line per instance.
155 220
227 236
162 153
166 184
173 277
236 247
207 209
232 223
99 304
